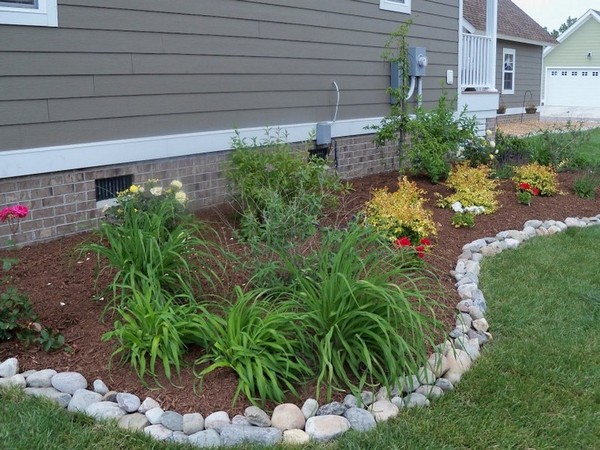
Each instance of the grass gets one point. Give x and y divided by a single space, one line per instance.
590 150
535 387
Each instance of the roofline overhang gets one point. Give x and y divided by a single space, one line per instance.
521 40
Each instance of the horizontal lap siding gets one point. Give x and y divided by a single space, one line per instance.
528 73
126 69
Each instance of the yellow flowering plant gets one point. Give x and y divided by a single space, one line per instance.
401 213
539 177
474 190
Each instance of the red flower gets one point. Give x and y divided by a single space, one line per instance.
420 249
525 186
402 242
535 191
425 242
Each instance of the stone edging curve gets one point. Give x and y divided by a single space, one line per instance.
289 423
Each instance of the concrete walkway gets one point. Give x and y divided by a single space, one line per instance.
575 113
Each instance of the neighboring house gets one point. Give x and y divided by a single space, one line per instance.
572 68
520 42
96 94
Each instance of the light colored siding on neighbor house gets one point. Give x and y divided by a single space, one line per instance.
528 66
572 52
134 68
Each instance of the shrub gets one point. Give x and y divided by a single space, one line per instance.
400 213
463 220
586 185
257 337
477 150
279 191
16 314
473 187
510 151
363 310
539 177
558 147
435 137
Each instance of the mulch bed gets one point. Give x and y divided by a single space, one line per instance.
61 285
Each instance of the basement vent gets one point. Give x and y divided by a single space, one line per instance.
108 188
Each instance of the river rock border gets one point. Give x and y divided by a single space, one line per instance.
289 423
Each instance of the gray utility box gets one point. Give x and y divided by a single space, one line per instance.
417 61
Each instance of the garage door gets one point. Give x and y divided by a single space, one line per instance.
573 87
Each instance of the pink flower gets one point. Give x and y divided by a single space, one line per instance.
20 211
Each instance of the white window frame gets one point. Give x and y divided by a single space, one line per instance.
509 51
401 6
44 14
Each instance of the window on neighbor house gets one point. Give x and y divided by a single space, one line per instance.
41 13
594 74
402 6
584 74
508 71
563 73
574 74
554 73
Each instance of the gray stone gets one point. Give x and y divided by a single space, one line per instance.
148 404
409 383
134 422
475 312
295 437
473 267
240 420
41 378
438 364
104 411
382 394
257 416
154 415
573 222
477 257
479 301
158 432
217 420
415 400
464 305
179 437
332 409
17 380
325 428
465 291
128 402
383 410
533 223
360 419
492 249
529 232
444 384
172 420
351 402
430 391
205 439
463 322
426 376
238 435
367 397
287 417
100 387
69 382
9 368
110 396
29 372
460 362
475 246
82 398
398 401
309 408
481 325
61 398
512 243
192 423
456 333
482 338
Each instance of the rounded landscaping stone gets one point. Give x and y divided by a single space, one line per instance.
154 415
416 400
350 401
41 378
134 422
148 404
360 419
17 380
426 376
61 398
444 384
205 439
179 437
237 435
9 368
430 391
69 382
110 396
367 397
217 420
172 420
481 325
82 398
287 417
100 387
383 410
257 416
192 423
409 384
104 411
325 428
158 432
240 420
332 409
129 402
295 437
309 408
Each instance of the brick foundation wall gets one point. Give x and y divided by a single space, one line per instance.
506 118
64 203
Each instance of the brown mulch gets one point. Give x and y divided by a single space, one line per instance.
61 286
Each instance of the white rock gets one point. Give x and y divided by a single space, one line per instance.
192 423
69 382
128 402
61 398
426 376
148 404
287 417
100 387
460 362
158 432
41 378
205 439
154 415
104 411
429 391
438 363
9 368
217 420
512 243
17 380
134 422
310 407
82 398
415 400
325 428
476 313
383 410
481 325
257 416
295 437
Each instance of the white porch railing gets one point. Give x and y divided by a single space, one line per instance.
476 64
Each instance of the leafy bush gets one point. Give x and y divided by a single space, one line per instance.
473 186
539 177
280 191
363 311
557 147
463 220
477 150
435 137
400 213
149 327
16 313
259 338
586 185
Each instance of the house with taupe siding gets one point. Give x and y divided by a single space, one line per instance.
102 90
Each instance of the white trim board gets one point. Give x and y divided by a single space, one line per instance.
15 163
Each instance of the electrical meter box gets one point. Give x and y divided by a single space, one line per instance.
417 61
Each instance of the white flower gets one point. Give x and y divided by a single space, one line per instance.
105 208
181 197
493 144
475 209
457 207
176 184
156 191
488 132
496 152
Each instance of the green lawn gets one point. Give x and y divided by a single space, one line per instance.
537 385
590 150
